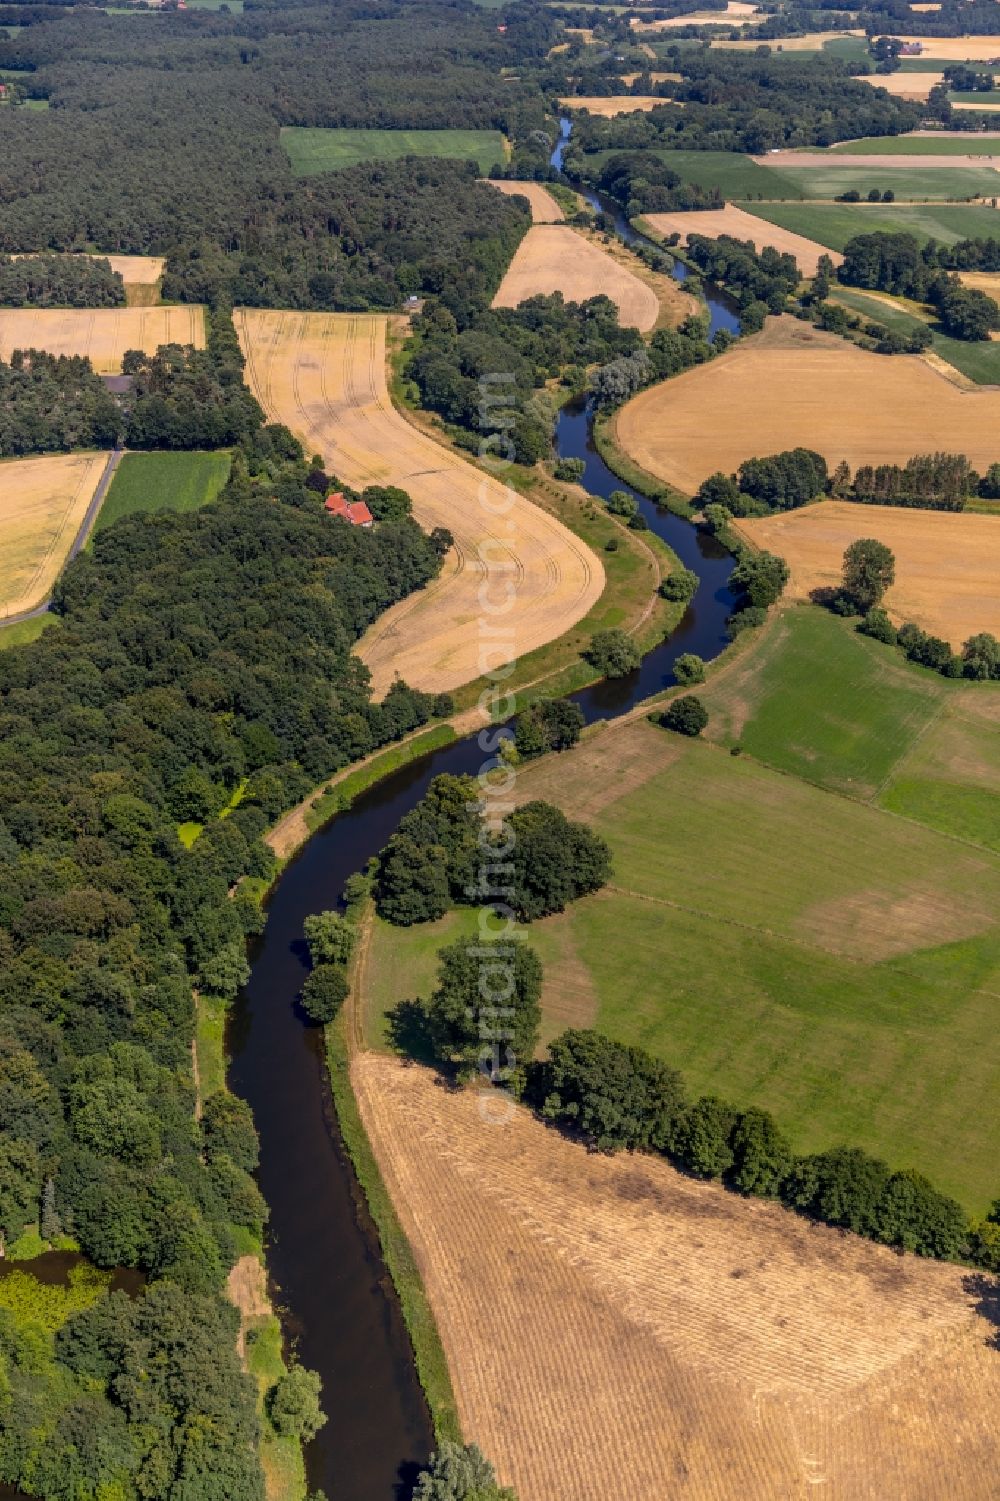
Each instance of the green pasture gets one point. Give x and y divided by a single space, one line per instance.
925 785
970 144
833 224
24 631
319 150
916 183
979 359
733 173
163 482
987 96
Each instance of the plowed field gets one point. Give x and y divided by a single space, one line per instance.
791 386
324 375
743 226
42 506
554 258
102 334
947 565
617 1331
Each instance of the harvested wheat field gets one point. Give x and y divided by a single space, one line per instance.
629 78
544 208
43 504
324 374
736 13
810 41
947 564
102 334
986 109
614 104
957 48
904 85
982 281
615 1330
743 226
793 385
554 258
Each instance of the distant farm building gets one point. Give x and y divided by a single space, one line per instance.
911 49
354 511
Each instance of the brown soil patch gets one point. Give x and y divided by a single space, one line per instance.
793 386
102 334
613 104
874 925
544 208
246 1286
743 226
606 766
324 374
554 258
904 86
43 503
614 1330
947 565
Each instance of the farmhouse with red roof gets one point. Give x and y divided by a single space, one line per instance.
354 511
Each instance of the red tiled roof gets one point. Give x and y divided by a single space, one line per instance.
354 511
360 514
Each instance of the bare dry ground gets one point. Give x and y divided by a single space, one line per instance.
630 78
947 565
982 281
42 506
904 85
102 334
743 226
324 374
791 386
823 160
554 258
958 48
544 208
615 1330
989 109
736 13
613 104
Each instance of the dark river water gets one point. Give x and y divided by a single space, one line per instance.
338 1306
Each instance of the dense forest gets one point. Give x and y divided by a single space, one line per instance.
203 663
175 147
59 281
51 403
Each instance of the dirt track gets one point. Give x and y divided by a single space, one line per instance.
743 226
324 374
554 258
616 1331
947 565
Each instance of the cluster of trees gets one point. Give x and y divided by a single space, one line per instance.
552 724
444 853
668 352
776 482
205 177
49 280
745 102
895 263
761 282
459 1472
50 403
620 1097
183 397
645 184
198 656
488 377
933 481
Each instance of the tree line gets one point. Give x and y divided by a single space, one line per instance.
895 263
783 481
623 1098
202 663
50 280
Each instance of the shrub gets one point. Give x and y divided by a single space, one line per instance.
685 716
679 585
324 992
571 470
293 1404
621 503
613 653
553 725
474 991
878 625
689 668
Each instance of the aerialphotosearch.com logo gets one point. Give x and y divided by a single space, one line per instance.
497 599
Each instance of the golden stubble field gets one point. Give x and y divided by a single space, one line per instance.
743 226
607 106
43 503
904 85
792 385
102 334
544 208
615 1330
554 258
515 579
947 565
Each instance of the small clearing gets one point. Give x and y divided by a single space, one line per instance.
101 334
743 226
554 258
544 208
640 1325
792 385
947 565
607 106
43 503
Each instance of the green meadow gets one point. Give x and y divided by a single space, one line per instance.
915 183
163 482
311 150
979 359
833 224
968 144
